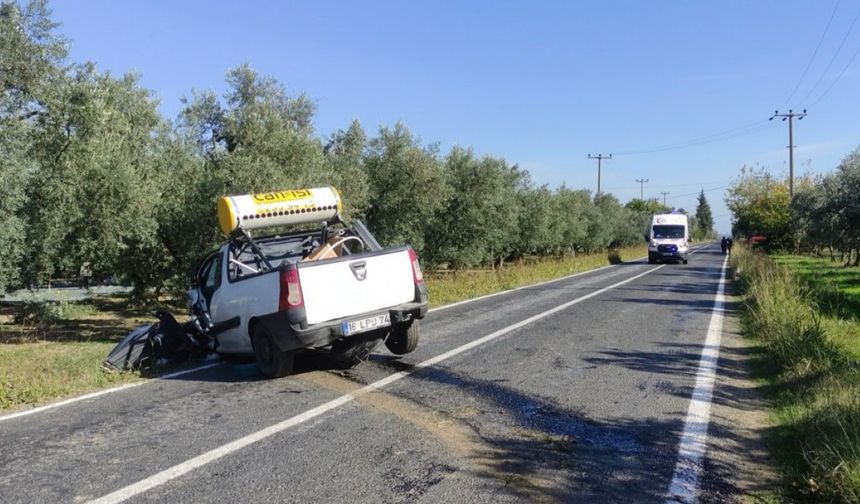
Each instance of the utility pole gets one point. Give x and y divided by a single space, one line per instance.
664 193
642 188
790 116
599 158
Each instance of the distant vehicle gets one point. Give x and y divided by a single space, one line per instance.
668 239
327 287
757 239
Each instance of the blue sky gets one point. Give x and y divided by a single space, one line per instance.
542 84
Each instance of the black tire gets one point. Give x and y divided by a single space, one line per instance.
404 338
685 261
348 354
651 259
273 362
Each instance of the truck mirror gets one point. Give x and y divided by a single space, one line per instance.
647 239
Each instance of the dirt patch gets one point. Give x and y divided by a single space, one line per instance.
453 431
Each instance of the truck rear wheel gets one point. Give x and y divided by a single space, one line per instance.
273 362
403 338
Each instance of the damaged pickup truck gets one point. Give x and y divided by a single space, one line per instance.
325 284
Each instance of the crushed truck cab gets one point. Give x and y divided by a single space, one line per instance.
324 284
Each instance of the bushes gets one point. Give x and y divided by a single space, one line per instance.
826 211
822 216
817 382
760 205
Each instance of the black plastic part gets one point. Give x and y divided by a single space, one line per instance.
292 336
226 325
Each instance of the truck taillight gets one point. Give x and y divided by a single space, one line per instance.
291 289
417 276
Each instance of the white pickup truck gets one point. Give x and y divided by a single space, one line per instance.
328 287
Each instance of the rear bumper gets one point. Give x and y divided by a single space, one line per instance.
676 255
290 335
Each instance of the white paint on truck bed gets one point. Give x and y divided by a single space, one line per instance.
332 291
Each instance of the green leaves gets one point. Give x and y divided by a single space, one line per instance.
760 205
91 191
704 218
408 187
826 211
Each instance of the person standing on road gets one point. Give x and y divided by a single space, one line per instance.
86 274
724 243
729 244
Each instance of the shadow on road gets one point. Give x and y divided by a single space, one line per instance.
541 451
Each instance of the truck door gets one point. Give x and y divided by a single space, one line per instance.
225 323
209 277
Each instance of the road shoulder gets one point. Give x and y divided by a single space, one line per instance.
738 465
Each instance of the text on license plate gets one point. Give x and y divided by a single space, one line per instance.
368 324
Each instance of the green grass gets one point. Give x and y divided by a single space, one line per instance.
53 350
446 288
800 310
834 290
49 351
32 373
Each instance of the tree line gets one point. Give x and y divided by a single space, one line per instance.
93 174
823 216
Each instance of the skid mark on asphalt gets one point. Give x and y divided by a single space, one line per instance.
451 429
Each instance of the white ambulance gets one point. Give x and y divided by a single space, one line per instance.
668 238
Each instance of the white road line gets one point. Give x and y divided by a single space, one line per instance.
694 440
494 294
103 392
180 469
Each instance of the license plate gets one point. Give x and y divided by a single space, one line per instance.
668 253
364 325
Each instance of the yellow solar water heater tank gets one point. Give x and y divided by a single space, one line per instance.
278 208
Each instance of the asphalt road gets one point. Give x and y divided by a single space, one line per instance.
583 404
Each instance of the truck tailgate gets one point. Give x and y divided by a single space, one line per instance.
340 288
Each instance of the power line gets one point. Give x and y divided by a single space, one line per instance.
814 54
694 184
835 54
716 137
697 192
837 79
685 142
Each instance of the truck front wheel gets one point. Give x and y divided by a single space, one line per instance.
273 362
403 338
